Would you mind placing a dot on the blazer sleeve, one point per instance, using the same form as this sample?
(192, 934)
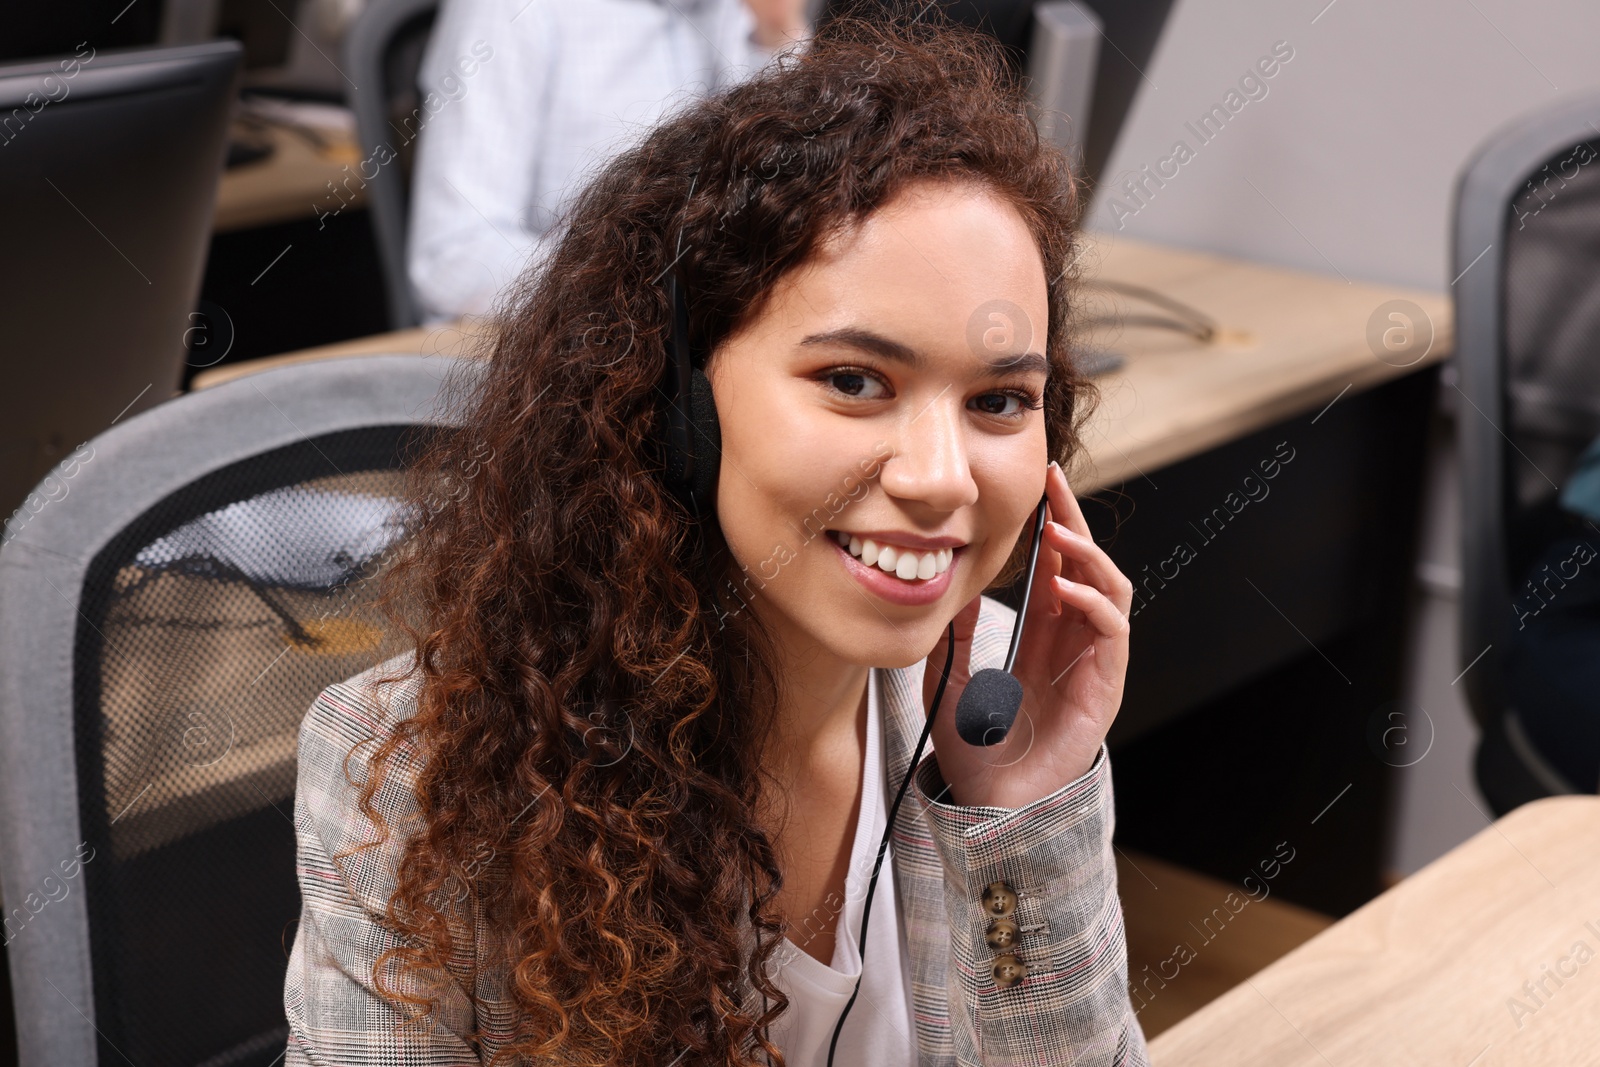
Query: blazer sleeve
(334, 1010)
(1072, 1006)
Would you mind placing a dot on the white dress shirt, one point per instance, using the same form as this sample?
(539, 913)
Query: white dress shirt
(880, 1030)
(567, 83)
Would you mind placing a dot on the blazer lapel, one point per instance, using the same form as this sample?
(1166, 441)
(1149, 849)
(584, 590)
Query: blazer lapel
(919, 874)
(918, 871)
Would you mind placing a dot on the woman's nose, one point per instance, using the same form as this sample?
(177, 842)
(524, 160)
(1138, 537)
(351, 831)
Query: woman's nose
(930, 458)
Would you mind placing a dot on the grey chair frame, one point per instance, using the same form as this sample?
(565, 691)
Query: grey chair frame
(1489, 181)
(42, 570)
(364, 47)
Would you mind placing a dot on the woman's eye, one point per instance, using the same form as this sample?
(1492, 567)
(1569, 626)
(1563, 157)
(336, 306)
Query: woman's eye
(862, 384)
(1010, 404)
(856, 384)
(988, 404)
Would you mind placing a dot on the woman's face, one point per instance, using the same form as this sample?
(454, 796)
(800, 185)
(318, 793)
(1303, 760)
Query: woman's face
(866, 399)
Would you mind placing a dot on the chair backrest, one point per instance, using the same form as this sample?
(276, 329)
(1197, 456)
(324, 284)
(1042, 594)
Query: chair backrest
(192, 579)
(1526, 259)
(109, 165)
(383, 50)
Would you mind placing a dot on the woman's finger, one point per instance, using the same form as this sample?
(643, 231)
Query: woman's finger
(1102, 614)
(1096, 566)
(1063, 505)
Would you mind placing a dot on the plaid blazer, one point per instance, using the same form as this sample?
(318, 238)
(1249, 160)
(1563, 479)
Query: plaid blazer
(1071, 1008)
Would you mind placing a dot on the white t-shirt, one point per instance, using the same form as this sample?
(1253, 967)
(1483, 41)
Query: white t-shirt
(880, 1030)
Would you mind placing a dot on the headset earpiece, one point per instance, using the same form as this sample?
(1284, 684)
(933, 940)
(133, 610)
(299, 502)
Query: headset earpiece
(693, 445)
(707, 432)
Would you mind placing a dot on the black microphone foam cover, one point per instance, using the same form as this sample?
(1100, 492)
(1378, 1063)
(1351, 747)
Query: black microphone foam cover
(988, 706)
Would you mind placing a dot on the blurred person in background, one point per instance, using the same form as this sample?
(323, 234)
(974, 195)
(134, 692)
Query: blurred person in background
(567, 85)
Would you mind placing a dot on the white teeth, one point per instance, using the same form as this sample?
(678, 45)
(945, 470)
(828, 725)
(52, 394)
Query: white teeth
(901, 562)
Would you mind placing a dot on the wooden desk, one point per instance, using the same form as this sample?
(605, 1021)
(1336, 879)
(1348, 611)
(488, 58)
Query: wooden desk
(292, 183)
(1292, 341)
(1433, 971)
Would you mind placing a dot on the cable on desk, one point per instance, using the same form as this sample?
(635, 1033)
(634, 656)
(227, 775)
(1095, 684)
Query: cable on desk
(1196, 324)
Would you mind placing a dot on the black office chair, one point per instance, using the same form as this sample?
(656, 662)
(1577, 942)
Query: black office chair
(382, 51)
(126, 152)
(1526, 254)
(196, 575)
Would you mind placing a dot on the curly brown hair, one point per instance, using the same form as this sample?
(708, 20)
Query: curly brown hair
(591, 701)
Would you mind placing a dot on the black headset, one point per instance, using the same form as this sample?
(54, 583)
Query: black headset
(692, 447)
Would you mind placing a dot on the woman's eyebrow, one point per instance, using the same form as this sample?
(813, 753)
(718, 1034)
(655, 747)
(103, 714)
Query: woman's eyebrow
(878, 345)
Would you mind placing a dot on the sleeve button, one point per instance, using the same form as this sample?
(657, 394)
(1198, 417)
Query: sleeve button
(1002, 934)
(1008, 971)
(999, 899)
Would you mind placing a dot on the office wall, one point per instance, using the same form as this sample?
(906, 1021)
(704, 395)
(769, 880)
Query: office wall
(1344, 162)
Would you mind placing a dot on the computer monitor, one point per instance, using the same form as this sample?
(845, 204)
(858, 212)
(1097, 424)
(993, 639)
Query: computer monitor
(1129, 30)
(281, 42)
(57, 28)
(109, 166)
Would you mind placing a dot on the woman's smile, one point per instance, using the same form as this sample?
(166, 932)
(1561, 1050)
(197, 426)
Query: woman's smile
(897, 574)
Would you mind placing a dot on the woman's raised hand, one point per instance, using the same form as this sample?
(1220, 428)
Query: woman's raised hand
(1071, 662)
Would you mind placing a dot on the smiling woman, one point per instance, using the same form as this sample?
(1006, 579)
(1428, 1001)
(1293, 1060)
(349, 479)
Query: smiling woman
(867, 341)
(630, 799)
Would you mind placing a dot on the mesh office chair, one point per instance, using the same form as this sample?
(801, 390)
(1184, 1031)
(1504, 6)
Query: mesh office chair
(187, 584)
(1526, 250)
(383, 50)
